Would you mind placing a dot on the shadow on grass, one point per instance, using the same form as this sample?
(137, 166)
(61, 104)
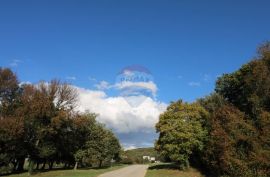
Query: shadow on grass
(35, 172)
(169, 166)
(175, 166)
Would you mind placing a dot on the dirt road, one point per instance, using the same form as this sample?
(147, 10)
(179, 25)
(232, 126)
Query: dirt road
(130, 171)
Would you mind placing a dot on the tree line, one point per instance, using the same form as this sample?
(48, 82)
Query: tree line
(135, 156)
(228, 132)
(39, 122)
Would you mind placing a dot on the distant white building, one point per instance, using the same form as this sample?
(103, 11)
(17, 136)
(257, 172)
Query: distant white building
(146, 158)
(150, 159)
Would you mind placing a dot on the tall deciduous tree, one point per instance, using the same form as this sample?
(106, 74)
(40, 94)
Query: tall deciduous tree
(99, 144)
(181, 131)
(230, 143)
(39, 122)
(9, 91)
(248, 89)
(11, 124)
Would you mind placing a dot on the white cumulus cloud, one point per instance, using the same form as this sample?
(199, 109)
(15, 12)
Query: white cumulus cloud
(118, 114)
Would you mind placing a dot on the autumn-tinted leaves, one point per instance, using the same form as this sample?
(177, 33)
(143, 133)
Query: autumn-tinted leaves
(236, 122)
(39, 122)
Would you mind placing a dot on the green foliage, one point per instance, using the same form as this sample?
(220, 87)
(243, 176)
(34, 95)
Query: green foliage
(230, 143)
(79, 155)
(39, 122)
(101, 145)
(248, 89)
(181, 131)
(236, 122)
(135, 156)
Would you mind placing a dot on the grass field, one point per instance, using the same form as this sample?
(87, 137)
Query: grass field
(70, 172)
(169, 170)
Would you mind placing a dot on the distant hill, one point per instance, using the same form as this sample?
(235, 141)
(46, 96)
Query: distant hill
(135, 155)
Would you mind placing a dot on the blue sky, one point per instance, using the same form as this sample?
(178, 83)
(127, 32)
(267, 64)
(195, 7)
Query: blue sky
(98, 38)
(185, 44)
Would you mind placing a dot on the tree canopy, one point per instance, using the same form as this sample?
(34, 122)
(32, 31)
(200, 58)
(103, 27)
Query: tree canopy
(229, 131)
(181, 131)
(40, 123)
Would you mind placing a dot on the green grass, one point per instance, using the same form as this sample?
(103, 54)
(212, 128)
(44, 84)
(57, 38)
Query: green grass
(169, 170)
(70, 172)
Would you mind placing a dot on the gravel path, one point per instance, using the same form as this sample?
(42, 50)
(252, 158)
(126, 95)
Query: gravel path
(130, 171)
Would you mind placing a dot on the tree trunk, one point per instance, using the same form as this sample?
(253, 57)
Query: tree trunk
(76, 166)
(37, 167)
(30, 167)
(20, 164)
(15, 164)
(51, 165)
(43, 166)
(100, 163)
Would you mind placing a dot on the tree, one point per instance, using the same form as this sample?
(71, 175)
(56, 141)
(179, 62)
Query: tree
(11, 124)
(84, 130)
(248, 89)
(40, 122)
(98, 143)
(230, 143)
(11, 142)
(212, 102)
(9, 91)
(46, 108)
(181, 131)
(109, 147)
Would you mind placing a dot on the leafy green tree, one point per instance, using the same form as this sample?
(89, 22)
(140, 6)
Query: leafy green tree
(39, 122)
(103, 146)
(79, 156)
(181, 131)
(212, 102)
(98, 143)
(248, 89)
(84, 130)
